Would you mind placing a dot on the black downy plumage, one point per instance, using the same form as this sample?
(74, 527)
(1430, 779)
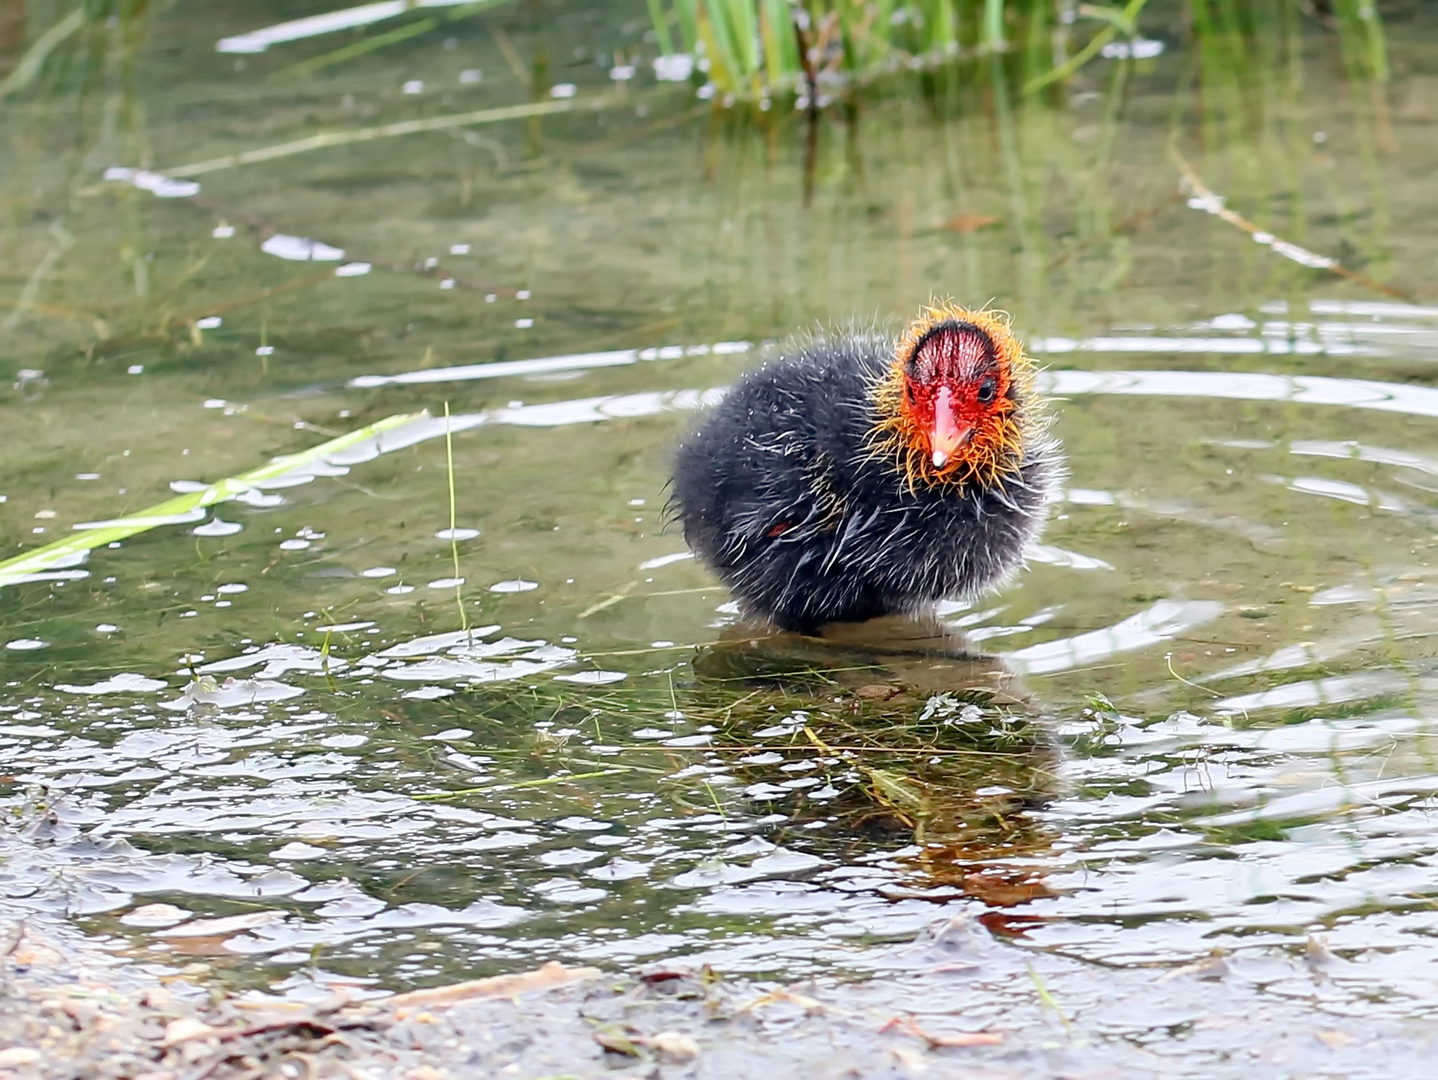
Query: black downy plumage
(792, 495)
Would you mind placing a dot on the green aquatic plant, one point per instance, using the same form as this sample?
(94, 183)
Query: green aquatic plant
(881, 753)
(758, 48)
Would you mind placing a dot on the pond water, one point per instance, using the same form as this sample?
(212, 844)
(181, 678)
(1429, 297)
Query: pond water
(387, 735)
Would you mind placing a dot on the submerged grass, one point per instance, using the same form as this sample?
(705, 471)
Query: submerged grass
(864, 747)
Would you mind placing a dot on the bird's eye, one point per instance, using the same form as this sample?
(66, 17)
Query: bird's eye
(988, 389)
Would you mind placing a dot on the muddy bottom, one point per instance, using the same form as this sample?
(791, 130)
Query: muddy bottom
(930, 1009)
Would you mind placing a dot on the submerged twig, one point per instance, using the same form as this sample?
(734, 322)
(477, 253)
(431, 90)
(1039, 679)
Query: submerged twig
(1205, 200)
(384, 131)
(64, 241)
(608, 601)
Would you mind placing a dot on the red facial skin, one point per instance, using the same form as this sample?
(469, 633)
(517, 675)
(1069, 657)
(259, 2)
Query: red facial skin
(953, 387)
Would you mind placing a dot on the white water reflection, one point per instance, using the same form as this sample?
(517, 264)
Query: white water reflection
(164, 187)
(665, 560)
(1355, 451)
(44, 575)
(514, 585)
(257, 41)
(126, 682)
(1341, 490)
(464, 655)
(593, 678)
(1248, 386)
(1315, 692)
(1244, 346)
(1299, 655)
(1330, 489)
(276, 660)
(1057, 556)
(217, 526)
(300, 249)
(232, 693)
(548, 364)
(455, 641)
(1164, 620)
(185, 517)
(1375, 309)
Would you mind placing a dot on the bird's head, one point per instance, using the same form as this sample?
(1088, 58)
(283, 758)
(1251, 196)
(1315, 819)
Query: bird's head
(952, 407)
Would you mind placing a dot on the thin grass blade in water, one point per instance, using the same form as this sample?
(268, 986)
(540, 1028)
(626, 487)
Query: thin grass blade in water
(71, 551)
(34, 59)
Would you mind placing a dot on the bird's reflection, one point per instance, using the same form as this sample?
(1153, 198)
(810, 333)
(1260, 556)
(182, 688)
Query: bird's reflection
(889, 731)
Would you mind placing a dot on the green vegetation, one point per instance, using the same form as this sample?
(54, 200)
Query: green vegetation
(756, 49)
(774, 46)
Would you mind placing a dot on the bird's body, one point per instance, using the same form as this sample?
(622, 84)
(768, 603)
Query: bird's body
(824, 489)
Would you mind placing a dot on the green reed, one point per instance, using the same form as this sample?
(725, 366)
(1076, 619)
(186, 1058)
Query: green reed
(759, 48)
(755, 49)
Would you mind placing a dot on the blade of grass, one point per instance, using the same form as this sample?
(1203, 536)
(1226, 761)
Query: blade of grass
(687, 12)
(1362, 16)
(359, 48)
(781, 54)
(379, 41)
(72, 549)
(34, 59)
(725, 70)
(1089, 51)
(659, 18)
(994, 24)
(453, 522)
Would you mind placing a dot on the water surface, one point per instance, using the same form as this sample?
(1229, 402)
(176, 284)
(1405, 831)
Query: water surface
(378, 742)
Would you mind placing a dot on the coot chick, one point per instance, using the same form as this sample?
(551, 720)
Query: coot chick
(856, 476)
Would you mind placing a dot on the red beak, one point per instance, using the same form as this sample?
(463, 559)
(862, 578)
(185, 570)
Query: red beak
(949, 435)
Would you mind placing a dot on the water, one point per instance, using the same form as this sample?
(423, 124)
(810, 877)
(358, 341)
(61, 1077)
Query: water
(382, 744)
